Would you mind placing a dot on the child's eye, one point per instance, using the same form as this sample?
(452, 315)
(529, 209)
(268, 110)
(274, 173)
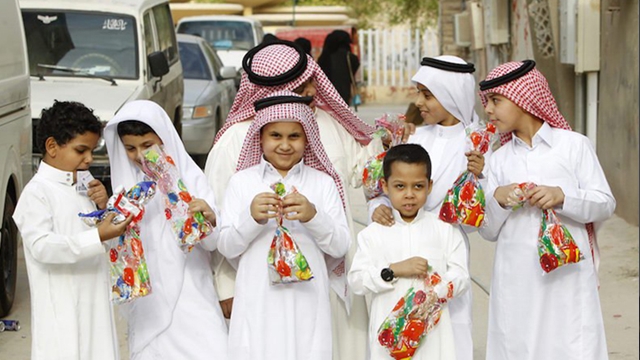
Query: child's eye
(419, 186)
(399, 186)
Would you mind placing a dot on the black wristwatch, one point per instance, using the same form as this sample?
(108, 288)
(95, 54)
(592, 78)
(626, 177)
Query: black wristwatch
(387, 274)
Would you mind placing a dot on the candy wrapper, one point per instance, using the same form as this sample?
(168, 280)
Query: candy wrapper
(465, 202)
(412, 318)
(388, 126)
(129, 274)
(189, 229)
(285, 260)
(556, 246)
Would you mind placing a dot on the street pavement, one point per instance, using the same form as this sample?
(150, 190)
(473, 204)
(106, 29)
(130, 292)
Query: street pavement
(618, 282)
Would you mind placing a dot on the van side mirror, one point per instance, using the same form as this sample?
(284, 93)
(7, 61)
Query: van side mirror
(158, 64)
(228, 72)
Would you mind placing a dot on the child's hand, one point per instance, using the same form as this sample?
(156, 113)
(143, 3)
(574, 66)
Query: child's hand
(475, 162)
(265, 206)
(108, 230)
(200, 205)
(506, 195)
(546, 197)
(98, 194)
(409, 129)
(415, 266)
(226, 306)
(300, 206)
(383, 215)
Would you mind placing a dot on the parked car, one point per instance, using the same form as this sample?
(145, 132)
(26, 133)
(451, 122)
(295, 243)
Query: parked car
(209, 90)
(102, 53)
(15, 142)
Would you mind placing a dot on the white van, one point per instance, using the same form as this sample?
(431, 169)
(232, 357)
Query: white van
(231, 35)
(15, 142)
(102, 53)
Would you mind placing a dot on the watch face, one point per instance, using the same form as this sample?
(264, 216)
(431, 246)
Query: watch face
(387, 274)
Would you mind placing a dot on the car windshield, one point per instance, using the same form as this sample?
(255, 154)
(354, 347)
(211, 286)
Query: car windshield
(221, 34)
(81, 44)
(194, 65)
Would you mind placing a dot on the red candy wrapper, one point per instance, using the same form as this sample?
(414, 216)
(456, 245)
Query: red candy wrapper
(556, 246)
(189, 229)
(388, 126)
(413, 317)
(465, 201)
(286, 262)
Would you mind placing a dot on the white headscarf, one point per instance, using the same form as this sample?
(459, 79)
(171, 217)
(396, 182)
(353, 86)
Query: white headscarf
(152, 314)
(454, 90)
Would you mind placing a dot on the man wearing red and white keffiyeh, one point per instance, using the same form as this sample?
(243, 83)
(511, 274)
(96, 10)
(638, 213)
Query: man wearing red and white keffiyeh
(538, 146)
(347, 142)
(291, 321)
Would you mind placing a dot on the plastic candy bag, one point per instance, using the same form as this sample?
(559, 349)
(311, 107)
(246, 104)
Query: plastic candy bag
(556, 246)
(189, 229)
(286, 262)
(129, 274)
(465, 201)
(413, 317)
(393, 127)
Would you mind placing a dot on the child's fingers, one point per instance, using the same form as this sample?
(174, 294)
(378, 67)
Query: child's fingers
(94, 183)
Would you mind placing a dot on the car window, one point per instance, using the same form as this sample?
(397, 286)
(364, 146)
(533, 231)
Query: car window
(214, 59)
(194, 65)
(221, 34)
(166, 33)
(149, 43)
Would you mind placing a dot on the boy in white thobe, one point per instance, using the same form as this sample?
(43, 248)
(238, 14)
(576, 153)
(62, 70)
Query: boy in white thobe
(556, 315)
(71, 312)
(391, 259)
(283, 321)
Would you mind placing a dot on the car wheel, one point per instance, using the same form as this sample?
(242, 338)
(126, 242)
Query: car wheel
(8, 257)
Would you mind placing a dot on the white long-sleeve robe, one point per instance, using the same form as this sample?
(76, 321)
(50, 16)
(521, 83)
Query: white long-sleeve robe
(286, 321)
(379, 246)
(71, 312)
(557, 315)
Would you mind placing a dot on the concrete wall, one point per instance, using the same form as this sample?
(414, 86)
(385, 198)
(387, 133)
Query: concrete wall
(617, 139)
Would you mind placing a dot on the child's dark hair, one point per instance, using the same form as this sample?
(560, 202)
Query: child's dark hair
(64, 121)
(406, 153)
(133, 127)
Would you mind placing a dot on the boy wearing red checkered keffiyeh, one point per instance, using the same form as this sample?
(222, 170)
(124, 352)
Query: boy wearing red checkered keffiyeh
(284, 321)
(535, 316)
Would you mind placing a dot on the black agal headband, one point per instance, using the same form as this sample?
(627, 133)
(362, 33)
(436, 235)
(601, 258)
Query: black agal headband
(448, 66)
(281, 79)
(283, 99)
(527, 65)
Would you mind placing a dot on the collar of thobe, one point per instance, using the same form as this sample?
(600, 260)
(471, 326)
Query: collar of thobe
(398, 218)
(57, 175)
(543, 135)
(267, 170)
(448, 132)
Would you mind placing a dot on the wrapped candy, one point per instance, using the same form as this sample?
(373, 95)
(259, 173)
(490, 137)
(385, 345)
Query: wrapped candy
(189, 229)
(129, 274)
(393, 127)
(556, 246)
(413, 317)
(465, 202)
(286, 262)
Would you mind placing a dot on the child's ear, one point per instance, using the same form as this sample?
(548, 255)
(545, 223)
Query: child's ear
(51, 146)
(385, 186)
(429, 187)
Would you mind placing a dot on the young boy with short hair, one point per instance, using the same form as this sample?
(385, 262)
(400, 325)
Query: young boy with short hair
(71, 312)
(390, 258)
(531, 316)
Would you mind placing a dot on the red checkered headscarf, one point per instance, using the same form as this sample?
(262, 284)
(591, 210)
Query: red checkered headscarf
(276, 59)
(530, 92)
(314, 154)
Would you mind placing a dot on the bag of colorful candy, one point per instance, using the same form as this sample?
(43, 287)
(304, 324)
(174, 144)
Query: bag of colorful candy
(465, 202)
(413, 317)
(556, 246)
(390, 127)
(129, 274)
(286, 262)
(190, 229)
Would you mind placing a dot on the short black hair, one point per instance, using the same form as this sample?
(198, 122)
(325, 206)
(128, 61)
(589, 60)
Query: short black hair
(133, 127)
(64, 121)
(406, 153)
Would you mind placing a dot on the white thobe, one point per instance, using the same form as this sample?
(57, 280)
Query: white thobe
(348, 158)
(426, 236)
(446, 146)
(67, 265)
(556, 315)
(286, 321)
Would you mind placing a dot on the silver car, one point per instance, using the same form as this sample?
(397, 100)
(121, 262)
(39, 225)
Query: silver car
(209, 90)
